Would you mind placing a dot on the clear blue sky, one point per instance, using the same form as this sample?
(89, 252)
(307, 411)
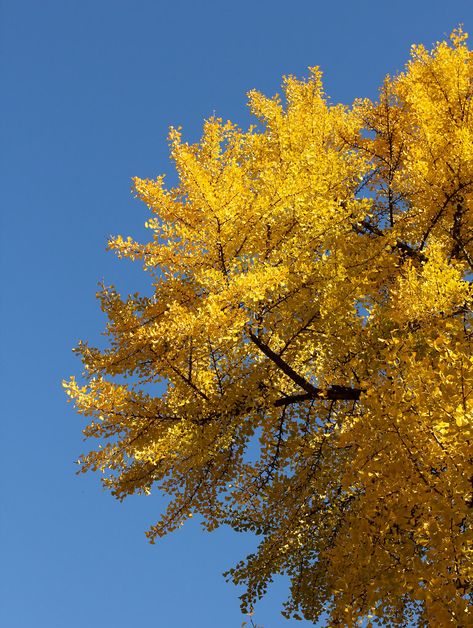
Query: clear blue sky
(88, 89)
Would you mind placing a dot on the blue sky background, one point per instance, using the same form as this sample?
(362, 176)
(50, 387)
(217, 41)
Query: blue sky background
(88, 90)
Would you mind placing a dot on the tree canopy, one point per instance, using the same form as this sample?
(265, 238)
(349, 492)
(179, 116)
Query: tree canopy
(304, 368)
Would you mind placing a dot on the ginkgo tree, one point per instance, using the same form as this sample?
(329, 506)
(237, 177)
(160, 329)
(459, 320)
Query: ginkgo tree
(310, 327)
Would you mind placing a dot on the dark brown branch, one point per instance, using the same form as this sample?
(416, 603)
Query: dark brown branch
(365, 226)
(334, 393)
(312, 392)
(221, 254)
(456, 229)
(284, 366)
(448, 200)
(300, 331)
(187, 380)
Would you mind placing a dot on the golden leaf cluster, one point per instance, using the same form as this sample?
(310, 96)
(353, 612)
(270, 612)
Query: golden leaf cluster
(304, 366)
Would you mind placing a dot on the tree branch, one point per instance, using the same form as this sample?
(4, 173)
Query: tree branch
(335, 393)
(405, 248)
(312, 392)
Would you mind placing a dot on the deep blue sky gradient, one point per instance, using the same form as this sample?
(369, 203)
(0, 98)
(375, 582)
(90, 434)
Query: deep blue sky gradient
(88, 90)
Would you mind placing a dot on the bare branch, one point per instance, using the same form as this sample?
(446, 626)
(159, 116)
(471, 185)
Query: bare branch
(312, 392)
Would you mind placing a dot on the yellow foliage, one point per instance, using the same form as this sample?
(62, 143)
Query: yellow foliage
(311, 330)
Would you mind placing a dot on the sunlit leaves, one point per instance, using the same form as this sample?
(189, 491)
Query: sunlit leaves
(310, 328)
